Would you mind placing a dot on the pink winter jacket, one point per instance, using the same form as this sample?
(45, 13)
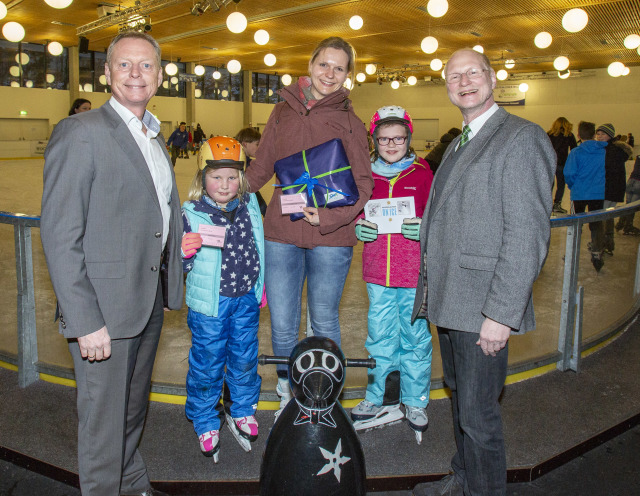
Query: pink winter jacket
(393, 260)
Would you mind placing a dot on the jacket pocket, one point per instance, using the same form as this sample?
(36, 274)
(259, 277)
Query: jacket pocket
(478, 262)
(105, 270)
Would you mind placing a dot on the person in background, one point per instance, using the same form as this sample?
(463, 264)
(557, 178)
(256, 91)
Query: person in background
(633, 194)
(631, 140)
(435, 156)
(315, 110)
(80, 105)
(178, 141)
(110, 221)
(249, 138)
(563, 142)
(198, 137)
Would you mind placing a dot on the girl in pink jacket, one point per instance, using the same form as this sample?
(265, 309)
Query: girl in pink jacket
(390, 266)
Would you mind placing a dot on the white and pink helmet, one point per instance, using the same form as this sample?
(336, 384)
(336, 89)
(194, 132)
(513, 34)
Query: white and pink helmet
(390, 113)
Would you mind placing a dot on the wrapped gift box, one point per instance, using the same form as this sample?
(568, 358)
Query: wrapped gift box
(322, 172)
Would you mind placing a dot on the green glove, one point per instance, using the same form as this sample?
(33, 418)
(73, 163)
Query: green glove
(366, 231)
(411, 228)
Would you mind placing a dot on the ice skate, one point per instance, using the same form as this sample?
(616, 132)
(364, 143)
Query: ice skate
(210, 444)
(417, 419)
(283, 389)
(367, 415)
(244, 430)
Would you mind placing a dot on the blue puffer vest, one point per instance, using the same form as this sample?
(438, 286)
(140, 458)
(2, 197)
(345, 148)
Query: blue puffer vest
(203, 281)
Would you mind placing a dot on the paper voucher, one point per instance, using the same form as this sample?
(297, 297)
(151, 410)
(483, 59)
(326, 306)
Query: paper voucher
(389, 213)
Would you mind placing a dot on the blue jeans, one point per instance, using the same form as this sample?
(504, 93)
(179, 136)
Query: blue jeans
(476, 381)
(287, 266)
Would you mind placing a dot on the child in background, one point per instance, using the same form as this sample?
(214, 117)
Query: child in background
(390, 266)
(224, 290)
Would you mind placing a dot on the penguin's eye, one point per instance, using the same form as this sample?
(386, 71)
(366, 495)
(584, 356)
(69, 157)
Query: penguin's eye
(330, 362)
(305, 362)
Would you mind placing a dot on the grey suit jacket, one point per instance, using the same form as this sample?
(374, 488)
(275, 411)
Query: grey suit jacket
(101, 227)
(485, 236)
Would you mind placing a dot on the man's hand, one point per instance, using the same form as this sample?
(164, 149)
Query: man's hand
(311, 216)
(493, 336)
(95, 346)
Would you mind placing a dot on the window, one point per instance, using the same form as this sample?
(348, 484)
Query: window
(30, 65)
(265, 88)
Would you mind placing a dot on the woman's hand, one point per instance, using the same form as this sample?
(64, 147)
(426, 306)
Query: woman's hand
(311, 215)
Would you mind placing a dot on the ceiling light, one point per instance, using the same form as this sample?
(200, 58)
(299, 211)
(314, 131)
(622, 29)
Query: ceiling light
(22, 58)
(198, 70)
(370, 69)
(88, 87)
(261, 37)
(216, 74)
(28, 83)
(165, 85)
(198, 93)
(233, 66)
(236, 22)
(615, 69)
(224, 93)
(58, 4)
(13, 31)
(564, 74)
(575, 20)
(286, 79)
(444, 76)
(429, 44)
(412, 80)
(632, 41)
(14, 70)
(478, 48)
(543, 40)
(102, 80)
(435, 64)
(174, 80)
(561, 63)
(626, 71)
(395, 84)
(270, 59)
(502, 74)
(437, 8)
(524, 87)
(348, 84)
(509, 64)
(171, 69)
(361, 77)
(15, 84)
(3, 10)
(50, 78)
(356, 22)
(55, 48)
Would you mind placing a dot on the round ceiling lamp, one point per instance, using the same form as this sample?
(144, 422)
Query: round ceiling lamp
(444, 76)
(13, 31)
(395, 84)
(370, 69)
(165, 85)
(261, 37)
(87, 88)
(615, 69)
(171, 69)
(3, 10)
(198, 93)
(50, 78)
(564, 74)
(561, 63)
(236, 22)
(233, 66)
(356, 22)
(412, 80)
(524, 87)
(509, 64)
(361, 77)
(479, 48)
(102, 80)
(22, 58)
(198, 70)
(575, 20)
(543, 39)
(502, 74)
(14, 70)
(15, 84)
(270, 59)
(632, 41)
(28, 83)
(55, 48)
(435, 64)
(174, 80)
(286, 79)
(429, 44)
(216, 74)
(224, 93)
(626, 71)
(437, 8)
(58, 4)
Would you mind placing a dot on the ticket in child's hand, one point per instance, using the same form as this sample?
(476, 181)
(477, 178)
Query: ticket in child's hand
(213, 235)
(292, 204)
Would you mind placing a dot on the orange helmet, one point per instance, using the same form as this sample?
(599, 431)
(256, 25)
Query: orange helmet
(220, 152)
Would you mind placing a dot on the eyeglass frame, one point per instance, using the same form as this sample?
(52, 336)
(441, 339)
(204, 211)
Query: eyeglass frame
(394, 139)
(466, 73)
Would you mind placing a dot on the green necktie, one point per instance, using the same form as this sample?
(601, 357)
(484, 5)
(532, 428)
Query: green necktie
(464, 138)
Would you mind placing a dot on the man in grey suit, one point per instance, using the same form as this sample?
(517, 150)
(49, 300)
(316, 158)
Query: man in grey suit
(110, 219)
(484, 238)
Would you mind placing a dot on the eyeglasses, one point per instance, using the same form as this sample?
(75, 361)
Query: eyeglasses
(398, 140)
(471, 74)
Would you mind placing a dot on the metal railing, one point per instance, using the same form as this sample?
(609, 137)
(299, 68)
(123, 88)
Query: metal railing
(570, 341)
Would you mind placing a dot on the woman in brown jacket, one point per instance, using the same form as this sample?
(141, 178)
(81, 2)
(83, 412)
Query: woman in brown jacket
(320, 246)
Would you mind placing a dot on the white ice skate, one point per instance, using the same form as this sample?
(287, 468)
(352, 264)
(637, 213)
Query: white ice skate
(283, 389)
(210, 444)
(418, 420)
(367, 415)
(244, 430)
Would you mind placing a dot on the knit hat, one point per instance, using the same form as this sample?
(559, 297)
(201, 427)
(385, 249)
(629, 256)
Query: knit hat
(607, 129)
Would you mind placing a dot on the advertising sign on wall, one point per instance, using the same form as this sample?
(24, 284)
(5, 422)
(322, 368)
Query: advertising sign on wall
(507, 96)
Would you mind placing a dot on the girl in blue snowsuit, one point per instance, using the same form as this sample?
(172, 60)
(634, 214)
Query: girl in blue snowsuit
(224, 291)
